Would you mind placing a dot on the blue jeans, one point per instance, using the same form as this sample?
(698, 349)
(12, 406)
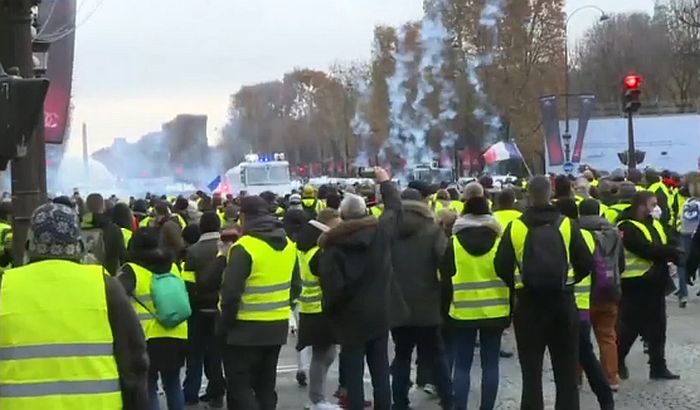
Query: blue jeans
(172, 387)
(203, 353)
(686, 243)
(462, 346)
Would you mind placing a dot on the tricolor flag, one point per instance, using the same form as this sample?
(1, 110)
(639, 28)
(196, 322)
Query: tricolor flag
(501, 151)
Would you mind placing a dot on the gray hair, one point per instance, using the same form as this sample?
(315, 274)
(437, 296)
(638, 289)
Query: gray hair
(540, 190)
(353, 207)
(473, 190)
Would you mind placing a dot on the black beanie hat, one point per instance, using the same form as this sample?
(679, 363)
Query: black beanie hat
(254, 206)
(210, 222)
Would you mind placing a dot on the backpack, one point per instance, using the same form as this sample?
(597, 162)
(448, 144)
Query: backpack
(691, 216)
(606, 276)
(93, 240)
(170, 298)
(545, 267)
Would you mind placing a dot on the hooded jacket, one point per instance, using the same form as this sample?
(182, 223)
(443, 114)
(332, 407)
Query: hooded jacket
(360, 292)
(416, 253)
(253, 333)
(476, 234)
(197, 259)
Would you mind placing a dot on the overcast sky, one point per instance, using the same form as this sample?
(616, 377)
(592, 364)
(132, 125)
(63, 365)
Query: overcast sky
(139, 63)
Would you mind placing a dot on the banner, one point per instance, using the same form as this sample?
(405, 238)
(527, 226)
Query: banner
(57, 17)
(550, 125)
(587, 105)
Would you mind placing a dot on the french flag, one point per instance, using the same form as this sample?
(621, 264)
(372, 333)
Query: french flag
(501, 151)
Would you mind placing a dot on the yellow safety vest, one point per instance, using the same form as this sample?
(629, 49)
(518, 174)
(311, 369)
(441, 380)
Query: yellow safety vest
(313, 203)
(678, 205)
(310, 300)
(613, 212)
(377, 210)
(478, 293)
(635, 266)
(506, 216)
(582, 290)
(127, 236)
(457, 206)
(145, 222)
(267, 289)
(667, 192)
(56, 344)
(595, 183)
(518, 233)
(151, 327)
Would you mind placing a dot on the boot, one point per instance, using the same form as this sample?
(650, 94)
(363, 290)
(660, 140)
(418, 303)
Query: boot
(623, 371)
(663, 374)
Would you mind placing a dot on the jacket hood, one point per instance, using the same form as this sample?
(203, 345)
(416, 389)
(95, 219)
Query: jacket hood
(541, 215)
(307, 237)
(416, 216)
(354, 233)
(607, 235)
(594, 223)
(267, 228)
(477, 234)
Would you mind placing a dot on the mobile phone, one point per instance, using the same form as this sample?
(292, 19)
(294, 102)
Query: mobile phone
(363, 172)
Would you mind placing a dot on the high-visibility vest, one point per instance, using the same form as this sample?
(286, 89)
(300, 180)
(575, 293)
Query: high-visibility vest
(678, 205)
(478, 293)
(267, 289)
(145, 222)
(151, 327)
(56, 344)
(222, 216)
(667, 193)
(377, 210)
(518, 234)
(595, 183)
(310, 300)
(506, 216)
(582, 290)
(127, 234)
(313, 204)
(614, 211)
(636, 266)
(5, 236)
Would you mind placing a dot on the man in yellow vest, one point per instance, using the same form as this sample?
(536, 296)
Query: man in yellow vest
(643, 304)
(70, 338)
(506, 212)
(260, 283)
(545, 314)
(626, 191)
(663, 195)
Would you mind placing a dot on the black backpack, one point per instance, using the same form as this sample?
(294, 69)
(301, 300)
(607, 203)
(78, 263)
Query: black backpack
(545, 267)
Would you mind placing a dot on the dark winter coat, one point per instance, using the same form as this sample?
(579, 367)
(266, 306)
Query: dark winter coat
(416, 253)
(360, 293)
(477, 234)
(315, 329)
(245, 332)
(198, 258)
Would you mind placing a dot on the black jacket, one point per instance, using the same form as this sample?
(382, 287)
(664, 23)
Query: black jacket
(416, 253)
(253, 333)
(198, 258)
(477, 234)
(580, 257)
(360, 292)
(635, 242)
(115, 250)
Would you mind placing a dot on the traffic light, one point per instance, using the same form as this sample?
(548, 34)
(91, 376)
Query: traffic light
(639, 157)
(21, 103)
(630, 100)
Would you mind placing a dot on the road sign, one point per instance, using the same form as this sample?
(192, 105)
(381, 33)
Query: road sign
(568, 167)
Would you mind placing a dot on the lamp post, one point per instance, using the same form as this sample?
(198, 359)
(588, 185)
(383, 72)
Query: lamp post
(40, 57)
(567, 131)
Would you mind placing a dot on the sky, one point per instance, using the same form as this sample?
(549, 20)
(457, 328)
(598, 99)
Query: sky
(140, 63)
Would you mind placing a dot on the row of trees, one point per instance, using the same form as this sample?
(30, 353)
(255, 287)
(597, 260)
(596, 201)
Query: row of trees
(350, 109)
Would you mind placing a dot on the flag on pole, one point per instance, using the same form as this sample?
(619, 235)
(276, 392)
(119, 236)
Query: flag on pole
(501, 151)
(213, 185)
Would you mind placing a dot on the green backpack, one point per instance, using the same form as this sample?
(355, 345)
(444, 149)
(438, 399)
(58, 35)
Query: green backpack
(170, 299)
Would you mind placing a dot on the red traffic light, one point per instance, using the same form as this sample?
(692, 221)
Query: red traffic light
(632, 82)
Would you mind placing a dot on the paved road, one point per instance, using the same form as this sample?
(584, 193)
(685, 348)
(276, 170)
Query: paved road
(638, 393)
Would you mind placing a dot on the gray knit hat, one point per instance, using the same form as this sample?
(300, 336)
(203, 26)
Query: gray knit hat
(55, 232)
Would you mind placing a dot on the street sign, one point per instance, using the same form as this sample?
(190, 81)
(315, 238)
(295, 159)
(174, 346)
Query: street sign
(568, 167)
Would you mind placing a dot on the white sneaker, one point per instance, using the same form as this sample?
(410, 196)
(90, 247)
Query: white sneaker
(430, 389)
(324, 405)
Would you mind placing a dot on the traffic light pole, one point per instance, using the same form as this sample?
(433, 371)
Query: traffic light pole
(631, 151)
(16, 51)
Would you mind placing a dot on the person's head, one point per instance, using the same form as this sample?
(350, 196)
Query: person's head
(171, 238)
(589, 207)
(568, 207)
(421, 186)
(626, 190)
(63, 200)
(539, 190)
(162, 209)
(506, 199)
(294, 200)
(477, 205)
(329, 217)
(353, 207)
(253, 207)
(410, 194)
(634, 176)
(333, 200)
(54, 233)
(140, 206)
(643, 204)
(210, 222)
(181, 204)
(472, 190)
(651, 176)
(582, 187)
(6, 211)
(442, 195)
(95, 204)
(589, 175)
(270, 197)
(122, 216)
(454, 193)
(486, 182)
(309, 192)
(692, 181)
(562, 186)
(191, 234)
(446, 219)
(145, 250)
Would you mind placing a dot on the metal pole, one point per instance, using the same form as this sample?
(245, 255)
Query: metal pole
(631, 152)
(16, 50)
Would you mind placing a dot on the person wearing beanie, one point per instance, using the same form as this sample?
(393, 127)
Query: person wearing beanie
(295, 217)
(167, 346)
(468, 260)
(261, 281)
(203, 349)
(626, 191)
(50, 329)
(360, 293)
(417, 251)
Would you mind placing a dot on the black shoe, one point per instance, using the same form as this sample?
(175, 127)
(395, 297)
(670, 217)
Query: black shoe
(663, 374)
(204, 398)
(505, 355)
(301, 379)
(216, 403)
(623, 371)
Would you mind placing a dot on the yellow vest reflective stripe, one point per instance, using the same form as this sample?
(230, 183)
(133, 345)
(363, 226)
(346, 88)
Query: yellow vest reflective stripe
(667, 192)
(603, 208)
(127, 234)
(310, 300)
(145, 222)
(478, 293)
(582, 290)
(189, 276)
(151, 327)
(635, 266)
(678, 205)
(595, 183)
(313, 203)
(56, 346)
(506, 216)
(613, 212)
(267, 289)
(518, 233)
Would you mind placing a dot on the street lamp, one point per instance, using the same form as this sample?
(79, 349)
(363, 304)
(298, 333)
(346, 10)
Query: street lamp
(567, 132)
(40, 56)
